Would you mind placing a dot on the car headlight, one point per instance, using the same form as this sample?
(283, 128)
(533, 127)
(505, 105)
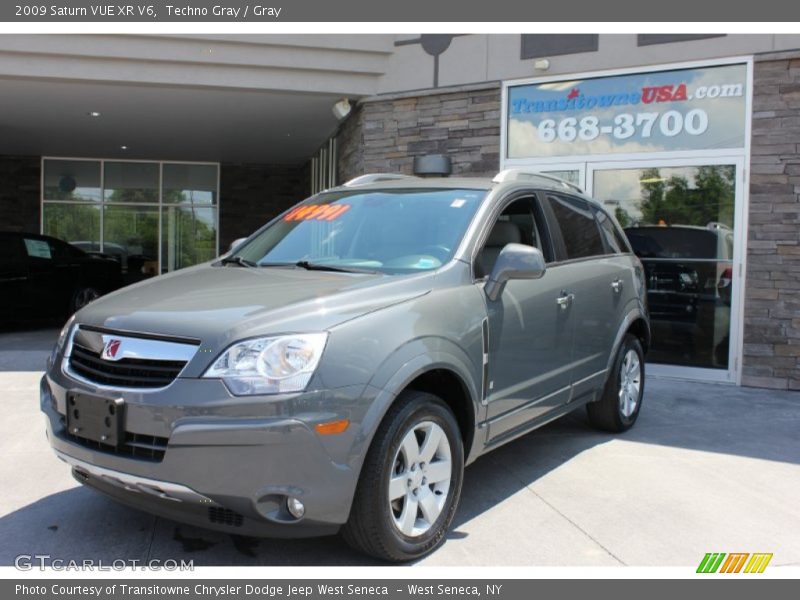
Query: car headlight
(269, 365)
(62, 338)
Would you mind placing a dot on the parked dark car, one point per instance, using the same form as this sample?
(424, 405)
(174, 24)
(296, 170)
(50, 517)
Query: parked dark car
(688, 270)
(43, 277)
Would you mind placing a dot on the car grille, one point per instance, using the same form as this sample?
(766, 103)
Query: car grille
(225, 516)
(128, 372)
(136, 445)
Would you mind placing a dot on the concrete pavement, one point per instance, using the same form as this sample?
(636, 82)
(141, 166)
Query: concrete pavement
(707, 468)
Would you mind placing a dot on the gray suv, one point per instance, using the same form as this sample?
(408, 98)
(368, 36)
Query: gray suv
(339, 368)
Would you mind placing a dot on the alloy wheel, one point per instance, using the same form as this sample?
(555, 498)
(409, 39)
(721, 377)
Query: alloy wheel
(420, 479)
(630, 383)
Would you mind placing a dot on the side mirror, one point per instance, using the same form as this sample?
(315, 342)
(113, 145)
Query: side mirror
(235, 243)
(515, 261)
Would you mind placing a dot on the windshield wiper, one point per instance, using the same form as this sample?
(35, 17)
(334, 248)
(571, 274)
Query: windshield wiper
(309, 266)
(237, 260)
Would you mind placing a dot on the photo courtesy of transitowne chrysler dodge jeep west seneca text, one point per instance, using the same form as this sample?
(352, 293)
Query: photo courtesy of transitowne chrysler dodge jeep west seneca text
(338, 369)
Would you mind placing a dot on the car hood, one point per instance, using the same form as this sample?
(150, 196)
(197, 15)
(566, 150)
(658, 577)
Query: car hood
(221, 304)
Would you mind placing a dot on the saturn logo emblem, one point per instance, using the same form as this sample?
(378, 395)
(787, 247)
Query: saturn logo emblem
(110, 350)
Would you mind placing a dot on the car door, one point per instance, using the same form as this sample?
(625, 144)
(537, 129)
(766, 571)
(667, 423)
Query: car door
(14, 284)
(529, 334)
(596, 285)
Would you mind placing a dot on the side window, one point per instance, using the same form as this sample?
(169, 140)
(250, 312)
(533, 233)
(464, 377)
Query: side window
(613, 237)
(38, 248)
(576, 222)
(517, 224)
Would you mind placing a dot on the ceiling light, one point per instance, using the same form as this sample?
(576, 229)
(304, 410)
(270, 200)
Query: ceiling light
(93, 113)
(123, 147)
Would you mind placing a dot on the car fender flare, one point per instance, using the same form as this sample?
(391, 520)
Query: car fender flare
(632, 314)
(400, 369)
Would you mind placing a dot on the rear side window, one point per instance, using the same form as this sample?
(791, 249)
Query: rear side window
(613, 237)
(577, 225)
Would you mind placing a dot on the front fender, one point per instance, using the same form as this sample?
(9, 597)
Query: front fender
(406, 364)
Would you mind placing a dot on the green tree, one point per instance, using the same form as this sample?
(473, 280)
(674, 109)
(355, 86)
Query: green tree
(675, 201)
(623, 218)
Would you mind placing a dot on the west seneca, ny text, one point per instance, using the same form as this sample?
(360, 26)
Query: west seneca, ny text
(253, 12)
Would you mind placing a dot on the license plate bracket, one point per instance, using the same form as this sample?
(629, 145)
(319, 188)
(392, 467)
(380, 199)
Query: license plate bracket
(95, 418)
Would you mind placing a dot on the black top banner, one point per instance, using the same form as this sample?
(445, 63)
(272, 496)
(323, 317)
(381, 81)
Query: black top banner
(473, 11)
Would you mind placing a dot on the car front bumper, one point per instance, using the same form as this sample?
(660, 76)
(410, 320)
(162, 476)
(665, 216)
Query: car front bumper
(230, 463)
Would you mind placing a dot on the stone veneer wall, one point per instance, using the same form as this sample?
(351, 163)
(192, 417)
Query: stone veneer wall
(772, 293)
(384, 134)
(252, 194)
(19, 193)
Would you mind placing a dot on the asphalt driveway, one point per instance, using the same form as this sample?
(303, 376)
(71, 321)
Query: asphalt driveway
(708, 468)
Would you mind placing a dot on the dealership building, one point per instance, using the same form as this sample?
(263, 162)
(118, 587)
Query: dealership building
(161, 150)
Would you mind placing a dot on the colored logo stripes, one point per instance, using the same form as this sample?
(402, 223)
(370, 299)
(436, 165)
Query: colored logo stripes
(734, 562)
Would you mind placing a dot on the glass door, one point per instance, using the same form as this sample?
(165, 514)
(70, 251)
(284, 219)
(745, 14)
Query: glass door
(683, 219)
(574, 172)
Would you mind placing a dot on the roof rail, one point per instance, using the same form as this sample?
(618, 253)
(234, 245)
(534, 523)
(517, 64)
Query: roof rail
(376, 177)
(520, 174)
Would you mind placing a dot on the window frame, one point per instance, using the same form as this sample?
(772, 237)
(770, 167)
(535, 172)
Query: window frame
(540, 221)
(619, 232)
(559, 245)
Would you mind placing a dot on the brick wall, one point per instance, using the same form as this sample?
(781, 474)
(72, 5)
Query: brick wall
(384, 135)
(19, 193)
(772, 305)
(252, 194)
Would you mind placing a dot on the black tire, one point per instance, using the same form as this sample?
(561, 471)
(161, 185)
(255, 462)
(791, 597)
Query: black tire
(371, 528)
(82, 296)
(609, 413)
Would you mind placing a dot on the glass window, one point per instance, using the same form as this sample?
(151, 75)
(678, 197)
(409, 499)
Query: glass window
(573, 176)
(113, 207)
(516, 224)
(679, 221)
(613, 237)
(131, 182)
(73, 180)
(78, 224)
(390, 231)
(190, 184)
(130, 235)
(188, 236)
(577, 225)
(38, 248)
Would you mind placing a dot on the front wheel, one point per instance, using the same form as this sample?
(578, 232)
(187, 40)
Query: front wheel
(410, 483)
(621, 402)
(81, 297)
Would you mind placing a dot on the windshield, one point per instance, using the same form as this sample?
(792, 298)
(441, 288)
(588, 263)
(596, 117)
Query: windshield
(396, 231)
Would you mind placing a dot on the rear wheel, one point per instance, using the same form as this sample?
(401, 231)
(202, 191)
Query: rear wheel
(619, 406)
(410, 483)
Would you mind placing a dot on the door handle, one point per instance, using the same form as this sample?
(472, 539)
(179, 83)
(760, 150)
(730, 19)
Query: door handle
(616, 285)
(565, 299)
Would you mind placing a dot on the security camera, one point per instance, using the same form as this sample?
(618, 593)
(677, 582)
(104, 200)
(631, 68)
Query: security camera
(342, 108)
